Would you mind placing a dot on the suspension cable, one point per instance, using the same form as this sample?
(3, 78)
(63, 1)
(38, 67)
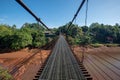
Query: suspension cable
(26, 8)
(76, 14)
(86, 14)
(85, 25)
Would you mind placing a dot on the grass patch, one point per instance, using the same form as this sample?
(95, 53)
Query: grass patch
(112, 45)
(4, 75)
(96, 45)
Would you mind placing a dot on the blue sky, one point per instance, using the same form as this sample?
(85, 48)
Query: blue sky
(55, 13)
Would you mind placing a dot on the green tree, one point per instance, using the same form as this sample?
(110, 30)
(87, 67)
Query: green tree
(38, 39)
(5, 33)
(37, 33)
(84, 41)
(20, 40)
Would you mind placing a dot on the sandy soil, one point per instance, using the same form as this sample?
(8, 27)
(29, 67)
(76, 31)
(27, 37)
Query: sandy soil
(102, 63)
(9, 60)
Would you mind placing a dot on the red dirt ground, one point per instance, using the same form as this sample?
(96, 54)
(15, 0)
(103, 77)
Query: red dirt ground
(92, 55)
(102, 63)
(28, 70)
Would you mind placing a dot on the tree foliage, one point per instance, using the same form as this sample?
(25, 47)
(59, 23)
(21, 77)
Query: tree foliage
(20, 40)
(33, 35)
(95, 33)
(28, 35)
(105, 33)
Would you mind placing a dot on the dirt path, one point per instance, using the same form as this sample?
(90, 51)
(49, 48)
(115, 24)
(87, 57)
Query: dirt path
(8, 60)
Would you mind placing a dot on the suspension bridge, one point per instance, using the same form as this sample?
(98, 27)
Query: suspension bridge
(62, 64)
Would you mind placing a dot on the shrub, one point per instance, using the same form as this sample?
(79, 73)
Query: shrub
(4, 75)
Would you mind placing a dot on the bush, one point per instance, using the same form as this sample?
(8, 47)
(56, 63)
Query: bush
(4, 75)
(71, 40)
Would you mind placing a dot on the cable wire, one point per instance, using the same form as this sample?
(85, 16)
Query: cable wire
(82, 3)
(27, 9)
(86, 14)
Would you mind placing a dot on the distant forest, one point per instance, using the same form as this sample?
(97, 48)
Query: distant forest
(95, 33)
(32, 35)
